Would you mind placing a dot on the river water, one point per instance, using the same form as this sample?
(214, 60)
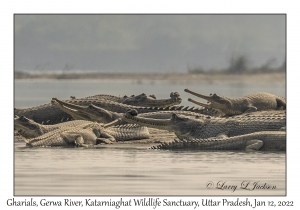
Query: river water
(134, 169)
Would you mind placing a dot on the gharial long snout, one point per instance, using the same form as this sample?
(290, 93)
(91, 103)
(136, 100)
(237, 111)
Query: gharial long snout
(68, 105)
(90, 112)
(208, 98)
(199, 103)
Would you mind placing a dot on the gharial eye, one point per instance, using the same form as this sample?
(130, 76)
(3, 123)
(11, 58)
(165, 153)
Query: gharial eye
(143, 95)
(133, 112)
(174, 94)
(174, 116)
(152, 96)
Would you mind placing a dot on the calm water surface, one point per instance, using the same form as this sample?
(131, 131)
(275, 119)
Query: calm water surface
(136, 170)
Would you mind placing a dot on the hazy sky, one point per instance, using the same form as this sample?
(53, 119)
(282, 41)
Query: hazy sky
(146, 43)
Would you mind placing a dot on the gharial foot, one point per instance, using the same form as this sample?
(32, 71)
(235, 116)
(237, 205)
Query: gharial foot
(79, 141)
(103, 141)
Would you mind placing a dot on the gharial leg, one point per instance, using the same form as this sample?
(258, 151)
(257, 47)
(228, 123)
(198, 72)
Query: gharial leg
(77, 139)
(254, 145)
(105, 138)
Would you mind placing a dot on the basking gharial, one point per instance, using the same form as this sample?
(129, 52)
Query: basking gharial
(69, 136)
(49, 114)
(30, 129)
(262, 140)
(234, 106)
(141, 100)
(206, 127)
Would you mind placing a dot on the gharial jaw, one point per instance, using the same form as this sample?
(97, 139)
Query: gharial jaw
(223, 104)
(90, 112)
(27, 127)
(211, 98)
(76, 115)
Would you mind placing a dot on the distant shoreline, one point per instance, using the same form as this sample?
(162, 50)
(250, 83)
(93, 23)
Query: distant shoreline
(260, 77)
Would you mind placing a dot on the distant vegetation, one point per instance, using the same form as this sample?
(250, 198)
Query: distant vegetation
(240, 65)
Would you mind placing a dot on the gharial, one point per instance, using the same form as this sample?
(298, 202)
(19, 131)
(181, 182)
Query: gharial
(262, 140)
(140, 100)
(234, 106)
(30, 129)
(202, 128)
(68, 136)
(49, 114)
